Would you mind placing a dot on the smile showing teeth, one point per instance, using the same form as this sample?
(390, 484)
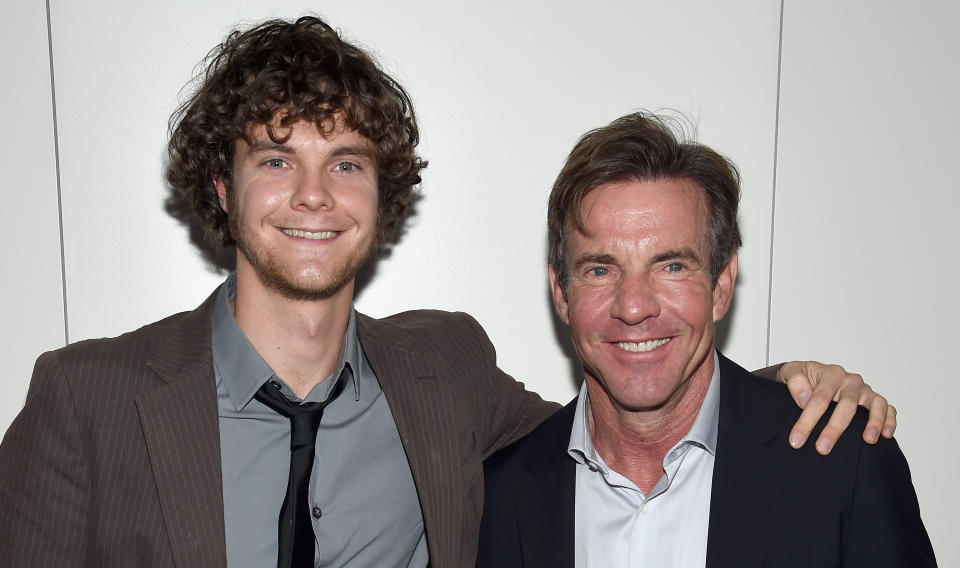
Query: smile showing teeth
(308, 235)
(643, 346)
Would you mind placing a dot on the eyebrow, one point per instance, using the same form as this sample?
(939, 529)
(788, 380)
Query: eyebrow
(685, 253)
(353, 150)
(593, 258)
(357, 150)
(261, 146)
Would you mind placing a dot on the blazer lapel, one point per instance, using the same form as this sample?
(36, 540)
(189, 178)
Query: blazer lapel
(413, 385)
(181, 429)
(746, 490)
(546, 505)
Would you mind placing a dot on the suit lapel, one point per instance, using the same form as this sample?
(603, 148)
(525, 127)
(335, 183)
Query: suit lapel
(746, 490)
(414, 386)
(182, 434)
(546, 505)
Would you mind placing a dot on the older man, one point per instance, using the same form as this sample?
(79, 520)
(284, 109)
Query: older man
(673, 455)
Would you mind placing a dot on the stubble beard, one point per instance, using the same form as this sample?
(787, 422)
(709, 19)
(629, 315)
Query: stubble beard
(274, 274)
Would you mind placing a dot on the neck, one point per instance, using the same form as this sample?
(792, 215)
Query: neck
(300, 340)
(634, 443)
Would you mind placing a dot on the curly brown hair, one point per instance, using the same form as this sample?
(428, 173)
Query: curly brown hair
(296, 71)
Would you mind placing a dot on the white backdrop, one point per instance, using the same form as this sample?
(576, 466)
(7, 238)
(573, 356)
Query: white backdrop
(841, 116)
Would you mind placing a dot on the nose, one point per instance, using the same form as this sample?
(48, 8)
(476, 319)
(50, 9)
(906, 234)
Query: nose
(635, 300)
(313, 192)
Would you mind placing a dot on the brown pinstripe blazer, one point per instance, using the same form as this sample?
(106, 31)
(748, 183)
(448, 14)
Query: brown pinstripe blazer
(115, 458)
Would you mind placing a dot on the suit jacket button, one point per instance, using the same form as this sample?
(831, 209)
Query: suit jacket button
(317, 513)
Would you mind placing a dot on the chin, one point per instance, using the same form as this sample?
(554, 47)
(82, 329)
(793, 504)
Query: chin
(311, 289)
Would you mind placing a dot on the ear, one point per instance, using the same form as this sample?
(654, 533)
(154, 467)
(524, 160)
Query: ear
(221, 186)
(559, 297)
(723, 289)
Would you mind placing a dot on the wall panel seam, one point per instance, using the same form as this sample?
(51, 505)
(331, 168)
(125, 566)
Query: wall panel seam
(56, 158)
(773, 192)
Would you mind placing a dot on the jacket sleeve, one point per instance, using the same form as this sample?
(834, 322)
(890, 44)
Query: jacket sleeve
(510, 411)
(45, 487)
(884, 523)
(769, 373)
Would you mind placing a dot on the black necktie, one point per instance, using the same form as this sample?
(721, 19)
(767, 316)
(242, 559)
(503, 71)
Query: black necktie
(296, 537)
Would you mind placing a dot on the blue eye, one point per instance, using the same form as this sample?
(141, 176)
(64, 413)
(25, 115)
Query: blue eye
(598, 271)
(275, 163)
(675, 267)
(346, 166)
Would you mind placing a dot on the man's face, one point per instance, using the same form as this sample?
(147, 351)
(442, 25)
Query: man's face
(640, 302)
(304, 211)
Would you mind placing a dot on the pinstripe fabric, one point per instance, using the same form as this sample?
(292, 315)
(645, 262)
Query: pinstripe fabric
(115, 458)
(453, 407)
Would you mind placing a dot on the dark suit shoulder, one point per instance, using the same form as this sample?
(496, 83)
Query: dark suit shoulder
(768, 404)
(857, 503)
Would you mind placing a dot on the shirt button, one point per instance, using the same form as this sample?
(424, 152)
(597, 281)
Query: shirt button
(645, 509)
(275, 385)
(317, 513)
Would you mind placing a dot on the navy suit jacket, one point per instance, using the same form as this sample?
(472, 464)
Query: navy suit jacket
(770, 505)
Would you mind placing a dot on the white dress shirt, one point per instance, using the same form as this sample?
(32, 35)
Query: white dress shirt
(617, 526)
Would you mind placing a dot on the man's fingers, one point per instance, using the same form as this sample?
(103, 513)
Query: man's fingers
(834, 379)
(842, 414)
(877, 405)
(833, 382)
(890, 424)
(794, 376)
(814, 409)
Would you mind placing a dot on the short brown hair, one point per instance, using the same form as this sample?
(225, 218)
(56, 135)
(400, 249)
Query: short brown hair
(296, 71)
(642, 146)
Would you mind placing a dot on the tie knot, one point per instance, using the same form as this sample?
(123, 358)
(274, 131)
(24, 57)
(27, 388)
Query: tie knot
(306, 412)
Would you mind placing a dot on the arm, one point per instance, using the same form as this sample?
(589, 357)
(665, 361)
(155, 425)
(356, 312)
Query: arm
(511, 411)
(813, 385)
(46, 485)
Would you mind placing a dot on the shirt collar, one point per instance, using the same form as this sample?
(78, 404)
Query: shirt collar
(242, 370)
(703, 432)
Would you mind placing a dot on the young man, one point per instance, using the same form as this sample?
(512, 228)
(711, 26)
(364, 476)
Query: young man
(185, 442)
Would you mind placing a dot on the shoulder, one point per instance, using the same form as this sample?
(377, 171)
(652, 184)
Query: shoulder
(753, 401)
(133, 345)
(858, 502)
(425, 321)
(426, 331)
(118, 365)
(753, 406)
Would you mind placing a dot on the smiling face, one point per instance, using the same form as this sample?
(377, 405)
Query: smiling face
(640, 300)
(303, 211)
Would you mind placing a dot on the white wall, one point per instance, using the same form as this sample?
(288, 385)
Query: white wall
(32, 285)
(865, 228)
(503, 89)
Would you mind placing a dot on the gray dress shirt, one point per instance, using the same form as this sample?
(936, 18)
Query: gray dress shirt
(362, 494)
